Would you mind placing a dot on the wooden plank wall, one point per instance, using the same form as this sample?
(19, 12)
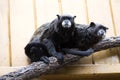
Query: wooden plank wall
(20, 18)
(4, 34)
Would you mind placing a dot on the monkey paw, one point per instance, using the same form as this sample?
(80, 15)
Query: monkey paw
(59, 57)
(89, 51)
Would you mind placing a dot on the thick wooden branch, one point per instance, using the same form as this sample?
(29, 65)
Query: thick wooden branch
(39, 68)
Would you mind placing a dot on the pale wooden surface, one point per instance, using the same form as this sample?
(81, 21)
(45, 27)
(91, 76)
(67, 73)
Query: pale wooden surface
(22, 27)
(20, 18)
(4, 34)
(46, 11)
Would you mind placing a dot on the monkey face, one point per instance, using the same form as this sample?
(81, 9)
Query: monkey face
(66, 21)
(97, 29)
(101, 33)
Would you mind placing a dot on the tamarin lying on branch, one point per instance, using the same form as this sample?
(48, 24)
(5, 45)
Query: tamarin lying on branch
(61, 36)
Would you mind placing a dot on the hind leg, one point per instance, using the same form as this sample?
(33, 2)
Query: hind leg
(34, 54)
(32, 50)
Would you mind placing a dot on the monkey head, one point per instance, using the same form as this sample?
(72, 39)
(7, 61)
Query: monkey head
(66, 21)
(97, 29)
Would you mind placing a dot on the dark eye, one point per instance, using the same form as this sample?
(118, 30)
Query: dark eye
(69, 18)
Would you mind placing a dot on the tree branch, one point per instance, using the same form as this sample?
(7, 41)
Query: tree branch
(39, 68)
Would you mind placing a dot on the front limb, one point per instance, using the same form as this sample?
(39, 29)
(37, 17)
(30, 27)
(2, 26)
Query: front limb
(52, 50)
(78, 52)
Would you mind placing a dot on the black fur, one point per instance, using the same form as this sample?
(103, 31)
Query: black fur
(35, 51)
(86, 36)
(50, 37)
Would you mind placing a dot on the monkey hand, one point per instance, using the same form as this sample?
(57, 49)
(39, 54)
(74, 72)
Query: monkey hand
(89, 52)
(59, 57)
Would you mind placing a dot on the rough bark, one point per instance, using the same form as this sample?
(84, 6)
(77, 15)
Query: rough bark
(39, 68)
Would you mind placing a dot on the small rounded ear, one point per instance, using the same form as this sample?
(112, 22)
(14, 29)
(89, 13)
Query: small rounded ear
(74, 17)
(58, 16)
(92, 24)
(106, 28)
